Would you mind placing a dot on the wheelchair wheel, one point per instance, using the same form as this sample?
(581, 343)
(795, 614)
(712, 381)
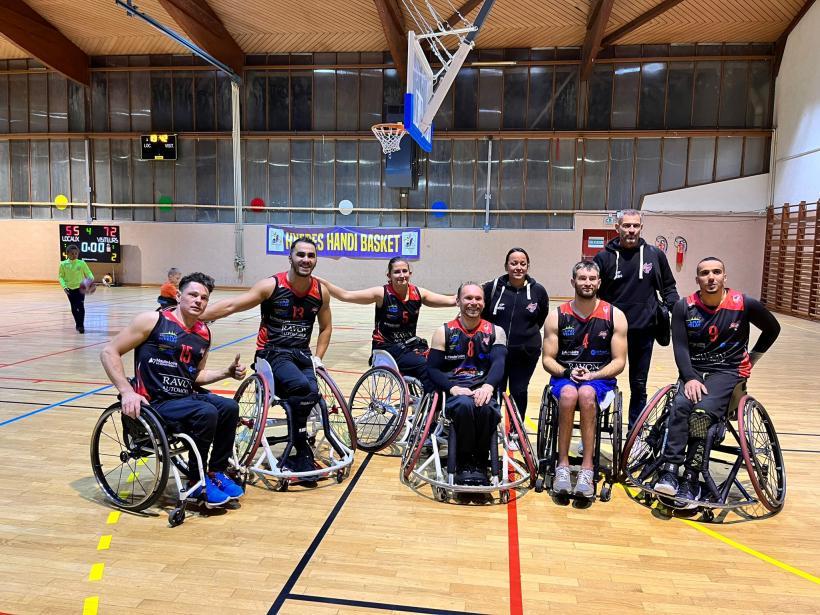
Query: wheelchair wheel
(762, 454)
(338, 414)
(644, 443)
(419, 432)
(253, 399)
(129, 458)
(543, 423)
(379, 404)
(547, 438)
(615, 418)
(524, 445)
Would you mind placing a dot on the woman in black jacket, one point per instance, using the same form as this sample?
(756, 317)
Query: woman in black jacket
(519, 305)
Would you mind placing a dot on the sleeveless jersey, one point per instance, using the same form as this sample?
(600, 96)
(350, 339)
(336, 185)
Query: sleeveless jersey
(166, 364)
(467, 353)
(585, 342)
(718, 338)
(288, 317)
(396, 319)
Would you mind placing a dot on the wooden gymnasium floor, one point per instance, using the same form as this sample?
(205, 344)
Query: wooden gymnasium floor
(369, 545)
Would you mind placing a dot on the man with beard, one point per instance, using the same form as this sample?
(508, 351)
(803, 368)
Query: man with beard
(291, 301)
(632, 274)
(584, 349)
(170, 351)
(466, 361)
(710, 337)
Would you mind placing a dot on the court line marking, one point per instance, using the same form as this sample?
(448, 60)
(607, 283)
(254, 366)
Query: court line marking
(91, 605)
(516, 598)
(105, 543)
(383, 606)
(52, 354)
(96, 571)
(300, 567)
(749, 551)
(741, 547)
(92, 392)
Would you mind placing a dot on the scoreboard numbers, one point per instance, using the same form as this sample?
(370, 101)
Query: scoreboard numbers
(98, 244)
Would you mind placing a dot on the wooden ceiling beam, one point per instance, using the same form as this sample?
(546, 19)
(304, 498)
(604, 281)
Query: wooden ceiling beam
(396, 38)
(640, 20)
(780, 45)
(465, 8)
(596, 25)
(397, 15)
(199, 22)
(29, 31)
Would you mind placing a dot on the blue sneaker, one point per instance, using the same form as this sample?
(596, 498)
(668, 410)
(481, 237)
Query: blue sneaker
(213, 496)
(227, 486)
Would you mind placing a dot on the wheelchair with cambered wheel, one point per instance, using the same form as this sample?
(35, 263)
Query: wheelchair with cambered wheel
(742, 468)
(264, 435)
(382, 404)
(427, 460)
(606, 459)
(132, 459)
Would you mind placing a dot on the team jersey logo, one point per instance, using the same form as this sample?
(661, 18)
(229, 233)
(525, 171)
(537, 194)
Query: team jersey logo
(694, 323)
(568, 331)
(647, 267)
(532, 307)
(734, 326)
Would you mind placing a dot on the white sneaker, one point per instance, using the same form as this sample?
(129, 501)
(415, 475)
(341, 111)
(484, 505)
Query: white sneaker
(512, 445)
(584, 485)
(563, 481)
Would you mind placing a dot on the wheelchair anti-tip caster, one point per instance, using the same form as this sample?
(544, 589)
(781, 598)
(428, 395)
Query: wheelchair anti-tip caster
(176, 517)
(606, 493)
(282, 485)
(539, 485)
(340, 476)
(441, 494)
(708, 515)
(504, 496)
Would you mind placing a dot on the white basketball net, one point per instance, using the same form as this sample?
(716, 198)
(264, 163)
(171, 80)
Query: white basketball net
(389, 135)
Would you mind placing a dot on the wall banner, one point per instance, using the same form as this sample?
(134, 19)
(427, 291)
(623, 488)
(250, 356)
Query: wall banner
(349, 241)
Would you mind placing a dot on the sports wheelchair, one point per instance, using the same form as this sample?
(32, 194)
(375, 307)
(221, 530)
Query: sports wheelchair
(380, 403)
(130, 460)
(431, 438)
(609, 423)
(266, 420)
(745, 439)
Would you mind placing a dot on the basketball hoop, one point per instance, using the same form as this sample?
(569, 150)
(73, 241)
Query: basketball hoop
(389, 135)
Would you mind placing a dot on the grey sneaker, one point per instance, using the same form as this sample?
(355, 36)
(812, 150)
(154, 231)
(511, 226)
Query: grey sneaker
(584, 485)
(563, 481)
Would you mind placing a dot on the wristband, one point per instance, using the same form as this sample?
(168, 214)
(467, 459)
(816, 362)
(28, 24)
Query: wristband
(567, 372)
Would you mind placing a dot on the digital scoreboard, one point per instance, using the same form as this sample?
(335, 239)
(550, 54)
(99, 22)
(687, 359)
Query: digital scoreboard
(158, 147)
(98, 244)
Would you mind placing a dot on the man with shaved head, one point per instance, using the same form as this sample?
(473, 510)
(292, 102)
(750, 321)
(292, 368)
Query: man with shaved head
(710, 337)
(466, 362)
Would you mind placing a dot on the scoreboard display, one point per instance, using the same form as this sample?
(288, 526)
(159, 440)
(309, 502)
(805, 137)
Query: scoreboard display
(98, 244)
(158, 147)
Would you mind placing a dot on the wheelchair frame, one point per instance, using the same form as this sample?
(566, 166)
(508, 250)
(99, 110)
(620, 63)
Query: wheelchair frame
(427, 430)
(256, 395)
(159, 440)
(608, 415)
(370, 403)
(756, 448)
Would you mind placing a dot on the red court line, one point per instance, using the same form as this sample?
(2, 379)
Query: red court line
(516, 599)
(51, 354)
(47, 380)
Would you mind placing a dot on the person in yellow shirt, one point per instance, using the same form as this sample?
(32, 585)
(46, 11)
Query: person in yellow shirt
(73, 273)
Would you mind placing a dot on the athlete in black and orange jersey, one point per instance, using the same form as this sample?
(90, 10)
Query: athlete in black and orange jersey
(397, 312)
(466, 361)
(171, 349)
(291, 302)
(710, 337)
(584, 349)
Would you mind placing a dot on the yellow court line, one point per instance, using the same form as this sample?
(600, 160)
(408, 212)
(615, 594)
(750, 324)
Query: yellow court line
(96, 572)
(752, 552)
(105, 542)
(113, 517)
(741, 547)
(90, 605)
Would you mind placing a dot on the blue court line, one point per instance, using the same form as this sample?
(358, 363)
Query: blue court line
(92, 392)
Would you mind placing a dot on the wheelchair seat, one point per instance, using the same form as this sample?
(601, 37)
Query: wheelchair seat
(267, 425)
(609, 412)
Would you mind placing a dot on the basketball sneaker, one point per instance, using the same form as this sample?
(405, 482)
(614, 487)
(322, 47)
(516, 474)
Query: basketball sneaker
(668, 482)
(563, 481)
(212, 497)
(225, 484)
